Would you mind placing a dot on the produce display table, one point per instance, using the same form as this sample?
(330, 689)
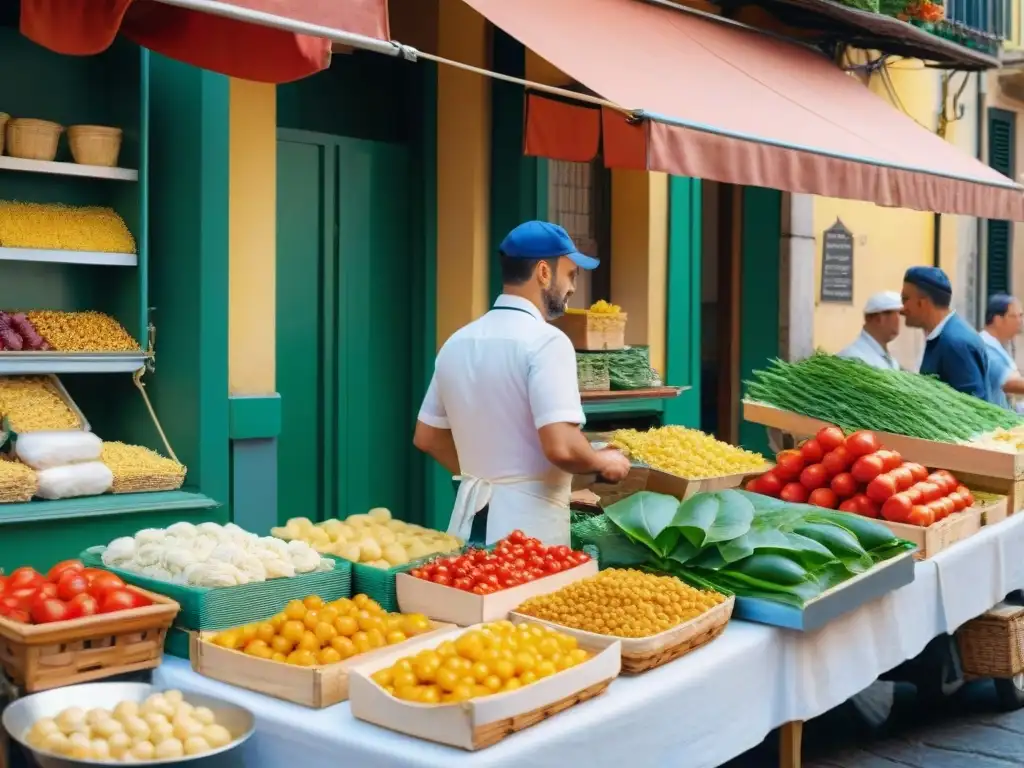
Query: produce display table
(698, 712)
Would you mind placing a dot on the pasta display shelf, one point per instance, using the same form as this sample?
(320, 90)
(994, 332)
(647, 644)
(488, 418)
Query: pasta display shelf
(67, 169)
(91, 258)
(70, 362)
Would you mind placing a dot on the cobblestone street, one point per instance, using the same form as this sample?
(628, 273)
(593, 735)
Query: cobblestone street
(968, 731)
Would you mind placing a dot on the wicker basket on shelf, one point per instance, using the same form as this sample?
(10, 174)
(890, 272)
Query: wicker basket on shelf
(95, 144)
(992, 645)
(31, 139)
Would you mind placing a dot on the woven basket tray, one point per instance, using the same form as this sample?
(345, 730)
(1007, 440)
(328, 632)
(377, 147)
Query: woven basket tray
(226, 607)
(992, 645)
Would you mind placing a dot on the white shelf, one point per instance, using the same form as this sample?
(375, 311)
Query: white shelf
(35, 363)
(67, 169)
(70, 257)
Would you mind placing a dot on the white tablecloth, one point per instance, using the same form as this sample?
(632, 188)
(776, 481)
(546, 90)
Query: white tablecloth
(697, 712)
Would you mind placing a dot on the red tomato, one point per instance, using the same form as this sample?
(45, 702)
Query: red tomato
(19, 615)
(754, 485)
(8, 604)
(812, 452)
(918, 471)
(105, 582)
(867, 468)
(943, 508)
(22, 578)
(483, 589)
(814, 477)
(71, 583)
(92, 573)
(836, 461)
(850, 505)
(24, 597)
(862, 443)
(582, 557)
(929, 491)
(968, 497)
(789, 464)
(58, 570)
(49, 589)
(770, 484)
(843, 485)
(914, 493)
(465, 584)
(921, 515)
(794, 493)
(82, 605)
(890, 460)
(49, 609)
(517, 536)
(823, 497)
(865, 506)
(896, 509)
(959, 502)
(903, 478)
(830, 438)
(881, 488)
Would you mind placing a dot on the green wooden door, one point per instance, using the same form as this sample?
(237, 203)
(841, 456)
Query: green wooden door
(344, 326)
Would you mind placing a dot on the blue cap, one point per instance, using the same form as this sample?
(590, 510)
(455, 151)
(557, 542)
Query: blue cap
(929, 277)
(543, 240)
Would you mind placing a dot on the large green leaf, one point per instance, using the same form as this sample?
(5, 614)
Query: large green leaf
(683, 552)
(646, 517)
(614, 547)
(708, 518)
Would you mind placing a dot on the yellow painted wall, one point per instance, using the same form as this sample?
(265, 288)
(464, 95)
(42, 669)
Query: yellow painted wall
(463, 169)
(252, 238)
(886, 240)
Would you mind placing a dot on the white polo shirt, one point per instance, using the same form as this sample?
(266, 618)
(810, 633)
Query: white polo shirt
(496, 382)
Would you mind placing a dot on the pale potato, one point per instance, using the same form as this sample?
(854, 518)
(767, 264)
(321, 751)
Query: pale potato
(380, 514)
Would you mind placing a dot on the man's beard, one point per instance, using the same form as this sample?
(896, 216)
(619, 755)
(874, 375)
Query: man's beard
(554, 304)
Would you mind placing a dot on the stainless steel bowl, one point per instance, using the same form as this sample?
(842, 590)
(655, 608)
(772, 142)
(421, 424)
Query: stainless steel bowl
(19, 717)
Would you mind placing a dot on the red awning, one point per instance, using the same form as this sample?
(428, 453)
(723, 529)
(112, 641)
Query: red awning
(726, 103)
(202, 32)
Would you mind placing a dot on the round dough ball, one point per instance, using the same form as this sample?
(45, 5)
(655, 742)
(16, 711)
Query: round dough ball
(143, 750)
(395, 554)
(136, 727)
(183, 708)
(100, 749)
(107, 728)
(119, 743)
(196, 745)
(379, 514)
(161, 732)
(169, 748)
(55, 742)
(71, 719)
(97, 715)
(369, 550)
(157, 703)
(174, 696)
(184, 727)
(204, 715)
(126, 709)
(154, 719)
(217, 736)
(41, 729)
(79, 746)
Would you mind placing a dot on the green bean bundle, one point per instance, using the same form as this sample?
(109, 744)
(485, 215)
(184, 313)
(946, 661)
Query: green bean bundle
(853, 395)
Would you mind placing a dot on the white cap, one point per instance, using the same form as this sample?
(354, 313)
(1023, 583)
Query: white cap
(886, 301)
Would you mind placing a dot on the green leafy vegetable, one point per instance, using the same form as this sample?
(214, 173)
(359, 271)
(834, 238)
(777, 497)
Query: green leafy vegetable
(770, 567)
(709, 518)
(645, 517)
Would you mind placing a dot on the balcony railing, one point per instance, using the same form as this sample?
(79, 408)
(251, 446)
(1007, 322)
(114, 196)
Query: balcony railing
(988, 21)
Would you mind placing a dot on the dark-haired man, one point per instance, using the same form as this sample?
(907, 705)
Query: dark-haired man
(953, 350)
(503, 411)
(1003, 319)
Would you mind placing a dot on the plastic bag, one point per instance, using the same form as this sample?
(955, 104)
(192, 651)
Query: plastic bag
(89, 479)
(45, 450)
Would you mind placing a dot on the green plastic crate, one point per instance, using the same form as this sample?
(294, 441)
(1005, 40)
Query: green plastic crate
(227, 607)
(177, 643)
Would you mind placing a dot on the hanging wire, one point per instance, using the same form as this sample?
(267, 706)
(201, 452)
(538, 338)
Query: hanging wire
(137, 380)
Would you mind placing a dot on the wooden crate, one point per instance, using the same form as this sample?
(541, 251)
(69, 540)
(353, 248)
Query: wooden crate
(941, 535)
(1013, 490)
(590, 332)
(647, 479)
(646, 653)
(992, 645)
(37, 657)
(968, 460)
(316, 687)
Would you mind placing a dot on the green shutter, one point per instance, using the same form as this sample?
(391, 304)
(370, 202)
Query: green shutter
(1001, 156)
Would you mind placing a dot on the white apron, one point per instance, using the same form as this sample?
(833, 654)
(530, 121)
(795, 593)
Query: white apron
(538, 506)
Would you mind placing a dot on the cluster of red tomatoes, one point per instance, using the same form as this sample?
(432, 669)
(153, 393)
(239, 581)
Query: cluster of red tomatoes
(68, 591)
(515, 560)
(855, 474)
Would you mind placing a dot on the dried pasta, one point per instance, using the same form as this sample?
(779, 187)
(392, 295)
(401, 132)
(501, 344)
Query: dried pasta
(137, 469)
(55, 226)
(34, 404)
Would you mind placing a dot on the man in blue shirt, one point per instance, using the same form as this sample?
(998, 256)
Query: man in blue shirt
(1003, 321)
(953, 351)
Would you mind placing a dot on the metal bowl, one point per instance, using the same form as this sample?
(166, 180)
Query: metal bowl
(20, 715)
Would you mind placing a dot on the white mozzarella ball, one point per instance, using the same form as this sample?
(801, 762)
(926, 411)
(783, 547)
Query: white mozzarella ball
(217, 736)
(196, 745)
(169, 748)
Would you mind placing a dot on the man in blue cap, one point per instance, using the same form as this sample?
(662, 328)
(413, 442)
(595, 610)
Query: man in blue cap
(953, 350)
(503, 411)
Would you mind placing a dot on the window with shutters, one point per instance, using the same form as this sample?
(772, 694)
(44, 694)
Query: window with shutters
(579, 196)
(1002, 126)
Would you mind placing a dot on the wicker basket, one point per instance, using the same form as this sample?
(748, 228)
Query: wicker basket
(992, 645)
(4, 117)
(44, 656)
(32, 139)
(95, 144)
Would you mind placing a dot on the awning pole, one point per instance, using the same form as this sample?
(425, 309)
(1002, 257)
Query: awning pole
(230, 11)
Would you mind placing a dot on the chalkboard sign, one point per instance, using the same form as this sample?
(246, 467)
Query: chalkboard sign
(837, 265)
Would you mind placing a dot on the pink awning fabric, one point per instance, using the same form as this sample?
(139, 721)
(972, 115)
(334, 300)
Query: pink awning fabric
(729, 104)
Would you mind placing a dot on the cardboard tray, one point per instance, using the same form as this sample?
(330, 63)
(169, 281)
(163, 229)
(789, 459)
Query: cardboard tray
(454, 606)
(639, 652)
(970, 459)
(482, 722)
(317, 687)
(843, 598)
(647, 479)
(941, 535)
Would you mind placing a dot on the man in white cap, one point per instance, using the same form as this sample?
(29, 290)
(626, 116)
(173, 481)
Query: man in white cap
(881, 327)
